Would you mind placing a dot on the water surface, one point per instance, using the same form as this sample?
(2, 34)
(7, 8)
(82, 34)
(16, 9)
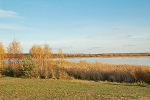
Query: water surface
(135, 61)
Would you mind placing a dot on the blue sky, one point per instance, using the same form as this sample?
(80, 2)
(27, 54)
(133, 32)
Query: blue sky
(77, 26)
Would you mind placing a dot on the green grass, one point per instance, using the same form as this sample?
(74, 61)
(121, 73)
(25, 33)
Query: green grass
(19, 88)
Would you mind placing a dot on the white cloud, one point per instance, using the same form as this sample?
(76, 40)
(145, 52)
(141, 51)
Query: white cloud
(139, 36)
(14, 27)
(8, 14)
(11, 26)
(128, 45)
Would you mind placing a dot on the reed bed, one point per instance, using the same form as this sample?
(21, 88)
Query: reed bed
(111, 72)
(82, 70)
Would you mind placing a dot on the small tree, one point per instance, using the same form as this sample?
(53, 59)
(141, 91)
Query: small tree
(28, 69)
(36, 53)
(41, 56)
(60, 54)
(47, 62)
(15, 54)
(47, 54)
(2, 56)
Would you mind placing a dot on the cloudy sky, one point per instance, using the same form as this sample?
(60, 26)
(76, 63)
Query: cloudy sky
(77, 26)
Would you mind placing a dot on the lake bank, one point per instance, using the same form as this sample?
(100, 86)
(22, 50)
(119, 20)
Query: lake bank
(82, 69)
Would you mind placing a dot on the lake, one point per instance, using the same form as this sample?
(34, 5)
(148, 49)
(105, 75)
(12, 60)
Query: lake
(127, 60)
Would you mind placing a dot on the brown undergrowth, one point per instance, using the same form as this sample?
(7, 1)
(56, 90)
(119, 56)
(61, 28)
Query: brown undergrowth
(111, 72)
(62, 69)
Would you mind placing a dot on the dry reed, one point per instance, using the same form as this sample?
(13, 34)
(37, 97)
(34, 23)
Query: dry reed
(111, 72)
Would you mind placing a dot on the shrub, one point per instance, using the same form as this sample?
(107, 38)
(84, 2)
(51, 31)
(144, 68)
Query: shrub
(9, 71)
(29, 69)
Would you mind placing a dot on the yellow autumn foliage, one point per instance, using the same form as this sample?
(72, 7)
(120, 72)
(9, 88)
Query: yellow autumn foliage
(14, 54)
(2, 55)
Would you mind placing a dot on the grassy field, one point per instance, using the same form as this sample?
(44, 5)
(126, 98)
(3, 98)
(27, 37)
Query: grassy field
(19, 88)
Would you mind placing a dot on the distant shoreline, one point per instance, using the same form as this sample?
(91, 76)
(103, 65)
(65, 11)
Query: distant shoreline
(119, 55)
(111, 57)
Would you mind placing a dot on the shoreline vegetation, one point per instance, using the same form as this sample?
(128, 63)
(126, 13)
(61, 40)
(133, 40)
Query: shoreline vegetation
(40, 64)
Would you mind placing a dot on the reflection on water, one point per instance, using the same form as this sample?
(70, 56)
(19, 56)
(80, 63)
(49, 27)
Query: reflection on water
(135, 61)
(13, 61)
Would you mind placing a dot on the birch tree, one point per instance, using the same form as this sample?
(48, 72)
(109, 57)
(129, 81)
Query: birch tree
(36, 53)
(60, 56)
(2, 56)
(47, 55)
(15, 54)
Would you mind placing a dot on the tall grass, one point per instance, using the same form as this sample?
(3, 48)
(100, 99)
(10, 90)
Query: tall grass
(111, 72)
(84, 70)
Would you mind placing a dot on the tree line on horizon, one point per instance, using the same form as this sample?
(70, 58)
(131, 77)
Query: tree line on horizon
(82, 55)
(106, 55)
